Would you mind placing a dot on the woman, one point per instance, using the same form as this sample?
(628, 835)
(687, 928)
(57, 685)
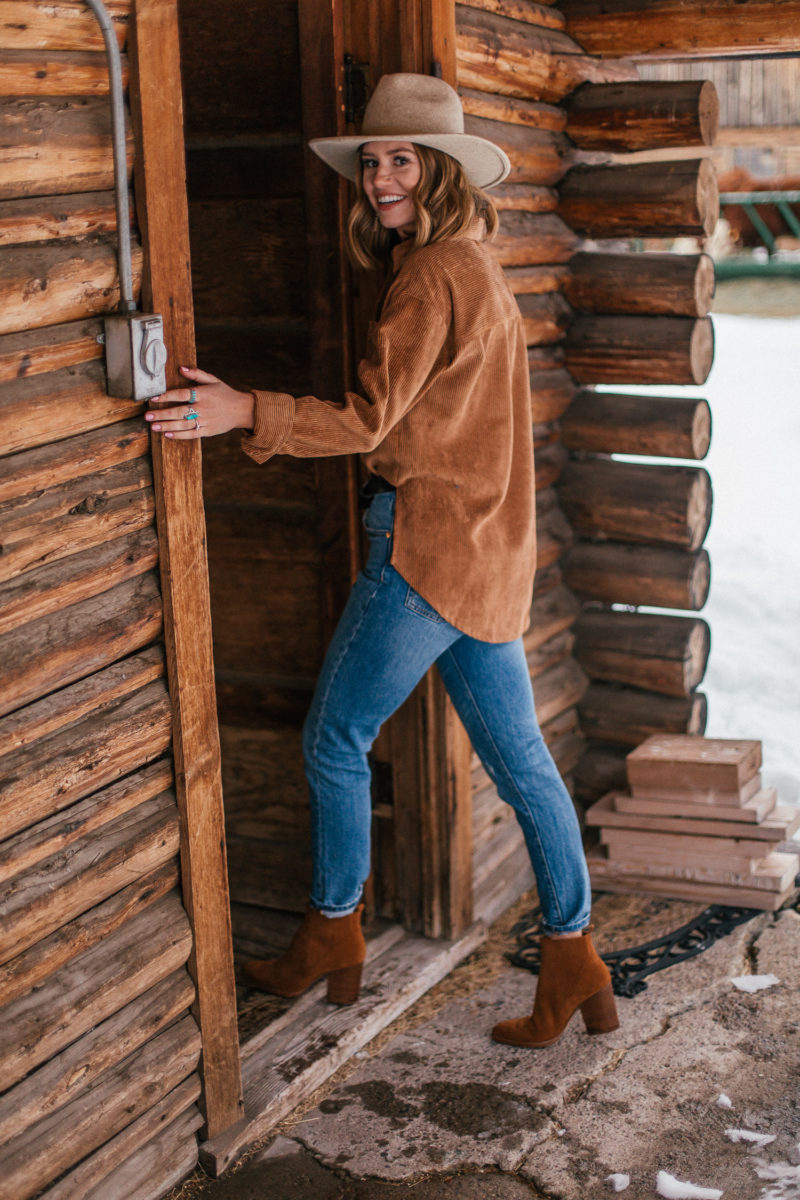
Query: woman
(442, 421)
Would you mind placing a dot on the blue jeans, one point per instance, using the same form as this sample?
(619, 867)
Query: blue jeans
(386, 640)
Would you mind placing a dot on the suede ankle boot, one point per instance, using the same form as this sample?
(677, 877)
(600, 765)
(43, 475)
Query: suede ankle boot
(572, 976)
(332, 946)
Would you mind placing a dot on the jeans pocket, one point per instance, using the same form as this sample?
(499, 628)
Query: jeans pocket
(415, 603)
(378, 521)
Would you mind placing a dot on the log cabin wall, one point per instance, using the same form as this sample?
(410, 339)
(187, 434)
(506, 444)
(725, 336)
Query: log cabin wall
(613, 533)
(98, 1050)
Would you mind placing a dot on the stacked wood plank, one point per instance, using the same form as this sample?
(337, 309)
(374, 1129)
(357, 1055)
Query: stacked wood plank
(696, 823)
(98, 1049)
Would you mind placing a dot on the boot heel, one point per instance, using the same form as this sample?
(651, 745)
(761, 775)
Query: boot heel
(344, 985)
(599, 1012)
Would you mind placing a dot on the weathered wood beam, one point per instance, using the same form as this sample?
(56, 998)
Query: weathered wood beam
(531, 114)
(42, 409)
(658, 576)
(161, 1145)
(639, 350)
(31, 969)
(559, 689)
(626, 716)
(93, 986)
(536, 281)
(524, 197)
(135, 842)
(76, 1069)
(157, 108)
(532, 239)
(645, 199)
(40, 351)
(72, 458)
(501, 55)
(650, 114)
(41, 219)
(43, 527)
(78, 640)
(657, 652)
(554, 534)
(637, 502)
(536, 155)
(541, 15)
(49, 148)
(551, 614)
(677, 285)
(73, 762)
(544, 317)
(552, 390)
(682, 28)
(53, 283)
(661, 426)
(125, 1092)
(45, 73)
(71, 25)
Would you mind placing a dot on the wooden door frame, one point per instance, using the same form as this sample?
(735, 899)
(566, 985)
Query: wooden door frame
(163, 219)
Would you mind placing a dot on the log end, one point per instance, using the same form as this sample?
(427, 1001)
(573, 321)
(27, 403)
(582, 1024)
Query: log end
(698, 508)
(708, 112)
(707, 196)
(701, 350)
(701, 430)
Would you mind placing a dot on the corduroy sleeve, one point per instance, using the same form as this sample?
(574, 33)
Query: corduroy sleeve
(405, 353)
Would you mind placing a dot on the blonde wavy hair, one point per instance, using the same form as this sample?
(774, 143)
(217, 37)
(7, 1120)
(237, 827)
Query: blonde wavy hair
(445, 202)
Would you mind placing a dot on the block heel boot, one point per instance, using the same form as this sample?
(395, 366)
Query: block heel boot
(331, 947)
(572, 976)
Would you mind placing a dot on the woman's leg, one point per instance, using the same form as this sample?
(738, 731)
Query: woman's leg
(386, 640)
(491, 689)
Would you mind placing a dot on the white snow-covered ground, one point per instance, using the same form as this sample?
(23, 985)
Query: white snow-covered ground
(753, 677)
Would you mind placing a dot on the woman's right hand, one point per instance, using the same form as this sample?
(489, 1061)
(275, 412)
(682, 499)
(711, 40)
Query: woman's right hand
(218, 408)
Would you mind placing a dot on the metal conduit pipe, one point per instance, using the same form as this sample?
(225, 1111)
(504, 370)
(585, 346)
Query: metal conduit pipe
(127, 304)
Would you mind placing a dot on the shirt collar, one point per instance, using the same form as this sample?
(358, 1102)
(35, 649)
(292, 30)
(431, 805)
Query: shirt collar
(476, 232)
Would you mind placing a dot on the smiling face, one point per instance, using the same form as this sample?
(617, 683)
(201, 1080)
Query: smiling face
(389, 172)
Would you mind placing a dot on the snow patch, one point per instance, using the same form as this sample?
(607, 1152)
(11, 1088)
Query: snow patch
(747, 1135)
(619, 1181)
(754, 983)
(724, 1101)
(673, 1189)
(783, 1180)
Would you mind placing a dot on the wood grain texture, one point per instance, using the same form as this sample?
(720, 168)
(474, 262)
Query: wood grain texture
(619, 573)
(679, 28)
(73, 762)
(39, 351)
(54, 283)
(49, 148)
(38, 25)
(31, 969)
(60, 73)
(678, 285)
(663, 199)
(93, 986)
(40, 409)
(657, 652)
(53, 218)
(626, 716)
(124, 1092)
(69, 883)
(637, 502)
(157, 110)
(639, 350)
(646, 115)
(76, 1069)
(78, 640)
(624, 423)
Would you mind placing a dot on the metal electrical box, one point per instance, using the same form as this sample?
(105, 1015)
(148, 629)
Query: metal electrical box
(135, 355)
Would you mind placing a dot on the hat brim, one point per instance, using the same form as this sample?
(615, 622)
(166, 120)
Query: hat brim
(484, 163)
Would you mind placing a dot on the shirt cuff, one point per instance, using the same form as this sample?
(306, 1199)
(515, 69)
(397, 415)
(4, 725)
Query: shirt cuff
(273, 418)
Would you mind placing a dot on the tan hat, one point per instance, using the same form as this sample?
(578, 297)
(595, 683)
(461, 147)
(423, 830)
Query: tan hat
(422, 109)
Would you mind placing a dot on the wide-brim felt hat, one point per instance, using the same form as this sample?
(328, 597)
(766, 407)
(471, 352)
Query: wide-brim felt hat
(421, 109)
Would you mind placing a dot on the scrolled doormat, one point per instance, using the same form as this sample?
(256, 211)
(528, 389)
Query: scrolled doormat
(630, 968)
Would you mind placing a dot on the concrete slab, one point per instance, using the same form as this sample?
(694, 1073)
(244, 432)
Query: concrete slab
(438, 1111)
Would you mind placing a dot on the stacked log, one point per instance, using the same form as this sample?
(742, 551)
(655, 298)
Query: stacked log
(638, 318)
(515, 67)
(98, 1050)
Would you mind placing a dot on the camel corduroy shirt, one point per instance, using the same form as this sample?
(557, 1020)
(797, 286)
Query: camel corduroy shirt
(443, 413)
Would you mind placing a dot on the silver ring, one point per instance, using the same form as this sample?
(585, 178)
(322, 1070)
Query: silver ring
(191, 414)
